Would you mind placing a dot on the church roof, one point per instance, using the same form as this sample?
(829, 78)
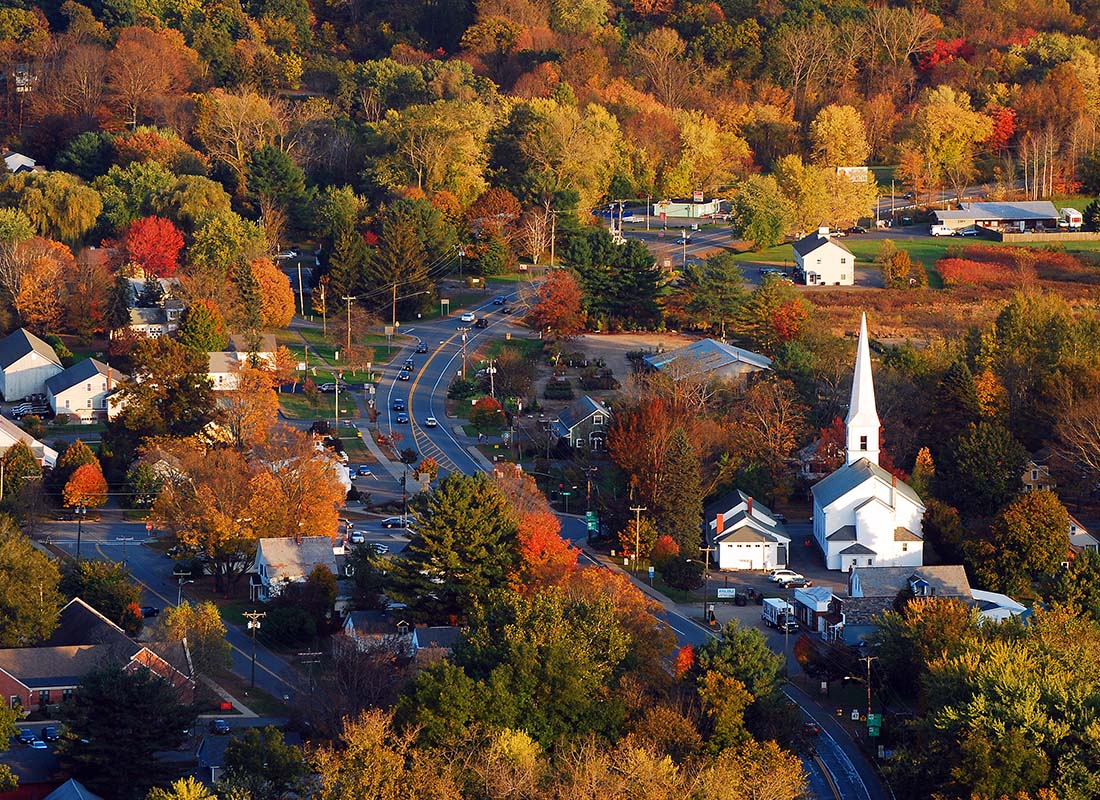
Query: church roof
(858, 549)
(846, 533)
(848, 477)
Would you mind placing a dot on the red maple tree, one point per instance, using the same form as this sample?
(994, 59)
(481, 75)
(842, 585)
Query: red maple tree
(557, 308)
(154, 244)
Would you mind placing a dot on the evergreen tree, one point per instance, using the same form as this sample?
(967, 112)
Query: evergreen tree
(981, 469)
(203, 328)
(249, 296)
(400, 259)
(1091, 215)
(75, 456)
(347, 265)
(151, 295)
(681, 496)
(117, 313)
(716, 290)
(954, 406)
(923, 472)
(462, 546)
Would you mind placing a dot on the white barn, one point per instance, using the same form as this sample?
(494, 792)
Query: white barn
(823, 261)
(26, 363)
(863, 515)
(748, 536)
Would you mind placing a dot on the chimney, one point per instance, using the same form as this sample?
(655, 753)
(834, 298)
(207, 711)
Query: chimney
(749, 512)
(109, 377)
(823, 233)
(719, 524)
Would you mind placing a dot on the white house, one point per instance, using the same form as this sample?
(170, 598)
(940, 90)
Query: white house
(26, 362)
(748, 536)
(226, 365)
(81, 390)
(823, 261)
(10, 433)
(1079, 536)
(289, 560)
(153, 322)
(863, 515)
(17, 162)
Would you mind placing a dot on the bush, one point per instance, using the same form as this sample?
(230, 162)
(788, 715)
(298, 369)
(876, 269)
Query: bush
(680, 573)
(487, 413)
(595, 378)
(956, 271)
(61, 419)
(32, 424)
(463, 389)
(558, 389)
(289, 625)
(665, 549)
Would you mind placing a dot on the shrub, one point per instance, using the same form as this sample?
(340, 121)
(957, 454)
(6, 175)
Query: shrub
(487, 413)
(462, 389)
(594, 378)
(956, 271)
(62, 419)
(289, 625)
(681, 573)
(558, 389)
(665, 549)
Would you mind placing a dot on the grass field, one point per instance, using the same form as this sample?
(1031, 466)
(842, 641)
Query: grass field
(528, 348)
(296, 406)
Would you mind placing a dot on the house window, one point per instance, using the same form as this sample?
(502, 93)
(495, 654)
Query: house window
(66, 695)
(89, 387)
(66, 403)
(43, 697)
(862, 442)
(819, 261)
(905, 547)
(1035, 474)
(597, 419)
(870, 562)
(843, 261)
(843, 277)
(16, 702)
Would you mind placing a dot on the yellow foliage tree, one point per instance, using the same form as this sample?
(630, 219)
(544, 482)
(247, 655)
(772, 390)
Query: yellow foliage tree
(87, 487)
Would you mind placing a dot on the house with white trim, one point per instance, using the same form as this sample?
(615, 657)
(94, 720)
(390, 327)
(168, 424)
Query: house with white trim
(583, 425)
(10, 433)
(748, 536)
(863, 515)
(289, 559)
(823, 261)
(26, 362)
(81, 390)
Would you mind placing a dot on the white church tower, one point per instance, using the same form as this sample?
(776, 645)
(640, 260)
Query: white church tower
(862, 421)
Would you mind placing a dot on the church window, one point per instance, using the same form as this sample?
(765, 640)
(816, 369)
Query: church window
(862, 442)
(870, 562)
(905, 547)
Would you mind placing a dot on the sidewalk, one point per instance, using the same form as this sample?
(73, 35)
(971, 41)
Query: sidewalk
(245, 712)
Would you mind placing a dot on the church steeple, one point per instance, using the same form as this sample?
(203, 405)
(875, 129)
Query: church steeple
(862, 421)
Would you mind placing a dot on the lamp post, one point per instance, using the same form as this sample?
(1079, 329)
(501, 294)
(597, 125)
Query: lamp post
(253, 618)
(179, 592)
(80, 511)
(706, 578)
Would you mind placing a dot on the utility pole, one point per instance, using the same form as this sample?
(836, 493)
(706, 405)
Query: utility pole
(313, 658)
(253, 618)
(301, 294)
(80, 511)
(336, 401)
(637, 533)
(393, 315)
(124, 540)
(463, 331)
(867, 660)
(349, 298)
(706, 578)
(553, 235)
(492, 382)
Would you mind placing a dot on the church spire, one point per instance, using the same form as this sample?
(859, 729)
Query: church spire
(862, 421)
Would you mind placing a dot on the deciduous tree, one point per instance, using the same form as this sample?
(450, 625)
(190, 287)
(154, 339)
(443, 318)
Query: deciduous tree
(556, 310)
(201, 625)
(981, 470)
(154, 244)
(1030, 539)
(839, 138)
(760, 211)
(106, 587)
(203, 328)
(262, 764)
(87, 487)
(29, 588)
(147, 65)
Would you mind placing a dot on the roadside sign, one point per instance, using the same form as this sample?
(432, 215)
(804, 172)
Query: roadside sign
(148, 526)
(301, 366)
(697, 196)
(651, 573)
(874, 719)
(726, 593)
(592, 525)
(873, 730)
(590, 515)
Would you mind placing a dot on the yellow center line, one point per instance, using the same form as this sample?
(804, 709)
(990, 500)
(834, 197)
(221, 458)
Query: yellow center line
(417, 433)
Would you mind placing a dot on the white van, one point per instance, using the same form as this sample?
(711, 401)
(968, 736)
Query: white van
(942, 230)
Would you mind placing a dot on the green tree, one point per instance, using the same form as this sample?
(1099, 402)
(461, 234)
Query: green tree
(681, 573)
(400, 260)
(981, 470)
(128, 192)
(839, 137)
(715, 291)
(105, 586)
(57, 204)
(943, 138)
(743, 654)
(760, 211)
(28, 587)
(249, 297)
(1029, 539)
(203, 328)
(89, 155)
(955, 406)
(143, 484)
(943, 529)
(151, 294)
(222, 243)
(1091, 215)
(115, 722)
(1078, 585)
(262, 764)
(273, 174)
(772, 314)
(724, 700)
(347, 267)
(680, 514)
(191, 201)
(201, 625)
(442, 703)
(117, 313)
(462, 546)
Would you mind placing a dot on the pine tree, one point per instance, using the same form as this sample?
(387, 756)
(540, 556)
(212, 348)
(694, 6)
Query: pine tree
(347, 265)
(401, 259)
(117, 313)
(248, 296)
(955, 406)
(463, 546)
(923, 473)
(152, 293)
(202, 328)
(680, 512)
(75, 456)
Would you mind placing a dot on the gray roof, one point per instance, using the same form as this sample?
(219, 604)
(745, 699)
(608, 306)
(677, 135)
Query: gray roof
(705, 355)
(286, 558)
(72, 789)
(239, 343)
(858, 549)
(863, 610)
(377, 623)
(49, 667)
(222, 362)
(846, 533)
(947, 580)
(442, 636)
(80, 624)
(19, 343)
(148, 316)
(849, 476)
(1030, 210)
(576, 414)
(807, 244)
(741, 526)
(81, 372)
(12, 431)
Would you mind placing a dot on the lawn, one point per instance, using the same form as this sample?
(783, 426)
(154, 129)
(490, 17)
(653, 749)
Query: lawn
(256, 699)
(297, 406)
(528, 348)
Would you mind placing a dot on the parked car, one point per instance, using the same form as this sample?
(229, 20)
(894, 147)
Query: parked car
(795, 583)
(431, 422)
(398, 404)
(422, 347)
(148, 612)
(219, 727)
(393, 522)
(38, 744)
(404, 375)
(779, 575)
(968, 232)
(364, 471)
(357, 537)
(402, 418)
(500, 300)
(507, 310)
(469, 316)
(482, 323)
(287, 254)
(26, 736)
(51, 734)
(330, 388)
(941, 230)
(855, 230)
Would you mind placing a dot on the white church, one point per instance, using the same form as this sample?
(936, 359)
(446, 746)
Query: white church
(863, 515)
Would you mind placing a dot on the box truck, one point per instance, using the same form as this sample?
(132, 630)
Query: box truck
(779, 614)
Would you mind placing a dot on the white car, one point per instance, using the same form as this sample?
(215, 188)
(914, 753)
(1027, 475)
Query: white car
(431, 422)
(469, 316)
(357, 537)
(286, 254)
(783, 575)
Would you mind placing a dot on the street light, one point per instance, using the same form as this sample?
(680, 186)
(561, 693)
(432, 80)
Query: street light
(254, 618)
(80, 512)
(179, 593)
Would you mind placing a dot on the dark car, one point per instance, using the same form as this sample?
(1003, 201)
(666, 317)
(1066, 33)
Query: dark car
(398, 405)
(422, 347)
(855, 230)
(51, 734)
(796, 583)
(219, 727)
(811, 728)
(148, 612)
(482, 323)
(393, 522)
(26, 736)
(364, 471)
(499, 300)
(404, 375)
(402, 418)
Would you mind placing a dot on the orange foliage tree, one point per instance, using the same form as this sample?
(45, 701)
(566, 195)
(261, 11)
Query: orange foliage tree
(545, 557)
(276, 294)
(557, 309)
(154, 244)
(87, 487)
